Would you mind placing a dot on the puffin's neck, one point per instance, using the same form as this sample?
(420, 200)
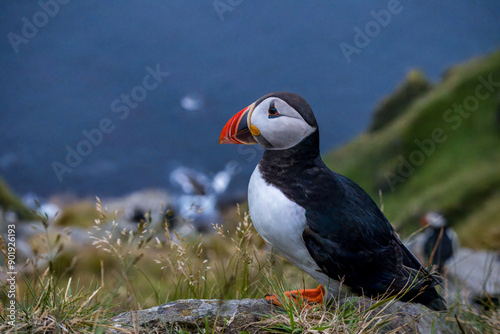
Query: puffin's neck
(302, 154)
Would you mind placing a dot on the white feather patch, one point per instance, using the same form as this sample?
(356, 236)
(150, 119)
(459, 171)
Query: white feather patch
(280, 222)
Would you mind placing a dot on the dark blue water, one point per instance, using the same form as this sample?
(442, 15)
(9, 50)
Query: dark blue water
(63, 80)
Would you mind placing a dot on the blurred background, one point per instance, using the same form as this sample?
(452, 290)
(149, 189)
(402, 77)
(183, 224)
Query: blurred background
(63, 78)
(125, 100)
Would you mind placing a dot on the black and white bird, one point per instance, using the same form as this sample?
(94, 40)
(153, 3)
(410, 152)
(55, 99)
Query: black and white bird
(321, 221)
(440, 242)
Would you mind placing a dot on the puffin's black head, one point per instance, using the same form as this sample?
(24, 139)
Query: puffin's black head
(277, 121)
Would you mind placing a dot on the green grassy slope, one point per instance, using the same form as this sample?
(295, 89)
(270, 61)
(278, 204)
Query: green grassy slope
(456, 170)
(9, 201)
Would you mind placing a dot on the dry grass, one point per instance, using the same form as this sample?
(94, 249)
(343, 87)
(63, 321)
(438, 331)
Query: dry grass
(139, 267)
(337, 317)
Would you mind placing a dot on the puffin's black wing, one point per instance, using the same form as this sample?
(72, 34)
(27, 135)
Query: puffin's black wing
(351, 240)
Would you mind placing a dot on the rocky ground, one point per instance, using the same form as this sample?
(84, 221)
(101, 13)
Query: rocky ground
(236, 316)
(471, 276)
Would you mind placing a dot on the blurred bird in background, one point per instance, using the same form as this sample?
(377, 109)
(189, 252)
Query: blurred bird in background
(440, 242)
(199, 202)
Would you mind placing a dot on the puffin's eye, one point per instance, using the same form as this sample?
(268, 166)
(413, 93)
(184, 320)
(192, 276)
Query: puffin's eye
(272, 111)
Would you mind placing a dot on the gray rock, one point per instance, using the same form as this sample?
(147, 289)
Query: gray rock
(469, 274)
(474, 273)
(191, 315)
(234, 316)
(405, 318)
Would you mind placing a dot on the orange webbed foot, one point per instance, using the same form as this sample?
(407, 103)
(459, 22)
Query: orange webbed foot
(301, 297)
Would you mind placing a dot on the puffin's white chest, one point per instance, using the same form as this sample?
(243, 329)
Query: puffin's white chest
(280, 222)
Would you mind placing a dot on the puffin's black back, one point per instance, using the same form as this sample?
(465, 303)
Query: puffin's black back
(438, 246)
(347, 235)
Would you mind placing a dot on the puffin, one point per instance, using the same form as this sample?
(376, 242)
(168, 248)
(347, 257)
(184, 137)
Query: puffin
(321, 221)
(440, 242)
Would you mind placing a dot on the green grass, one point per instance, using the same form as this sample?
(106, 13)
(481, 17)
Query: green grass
(9, 201)
(353, 315)
(62, 289)
(138, 269)
(460, 178)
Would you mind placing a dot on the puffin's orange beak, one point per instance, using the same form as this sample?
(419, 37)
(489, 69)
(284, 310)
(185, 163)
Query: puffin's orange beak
(237, 129)
(424, 221)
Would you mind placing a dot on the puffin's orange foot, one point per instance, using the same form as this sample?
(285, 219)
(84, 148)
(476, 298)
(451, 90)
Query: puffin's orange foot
(301, 297)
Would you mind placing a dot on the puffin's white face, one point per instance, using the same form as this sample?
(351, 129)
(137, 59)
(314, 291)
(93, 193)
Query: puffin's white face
(435, 220)
(272, 122)
(276, 125)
